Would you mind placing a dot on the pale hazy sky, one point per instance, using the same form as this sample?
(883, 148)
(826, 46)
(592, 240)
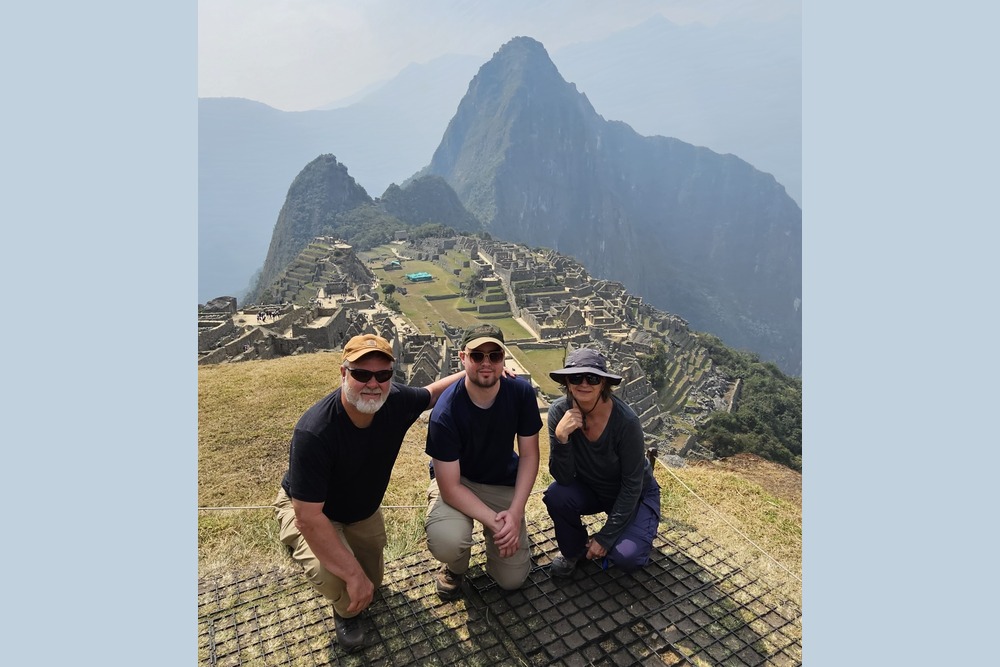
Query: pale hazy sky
(302, 54)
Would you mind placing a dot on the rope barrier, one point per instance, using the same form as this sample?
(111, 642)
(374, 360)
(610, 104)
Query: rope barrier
(727, 522)
(245, 507)
(656, 460)
(271, 507)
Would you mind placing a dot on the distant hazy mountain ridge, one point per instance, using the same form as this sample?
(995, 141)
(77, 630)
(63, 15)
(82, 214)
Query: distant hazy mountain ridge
(734, 87)
(527, 158)
(696, 233)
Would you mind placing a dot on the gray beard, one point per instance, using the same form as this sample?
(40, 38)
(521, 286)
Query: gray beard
(368, 406)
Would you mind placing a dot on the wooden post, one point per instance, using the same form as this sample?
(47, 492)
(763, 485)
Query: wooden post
(651, 455)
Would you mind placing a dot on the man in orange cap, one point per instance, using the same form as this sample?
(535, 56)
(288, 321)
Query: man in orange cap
(341, 456)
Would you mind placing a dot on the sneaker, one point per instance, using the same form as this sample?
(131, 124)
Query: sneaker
(562, 566)
(350, 634)
(449, 584)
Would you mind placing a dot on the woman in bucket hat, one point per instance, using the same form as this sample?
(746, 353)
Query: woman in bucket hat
(597, 459)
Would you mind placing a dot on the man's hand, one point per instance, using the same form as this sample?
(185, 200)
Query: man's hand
(361, 591)
(326, 544)
(508, 537)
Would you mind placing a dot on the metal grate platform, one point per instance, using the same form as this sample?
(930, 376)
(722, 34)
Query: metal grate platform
(691, 605)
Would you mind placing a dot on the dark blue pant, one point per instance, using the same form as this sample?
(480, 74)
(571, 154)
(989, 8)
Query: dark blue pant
(568, 502)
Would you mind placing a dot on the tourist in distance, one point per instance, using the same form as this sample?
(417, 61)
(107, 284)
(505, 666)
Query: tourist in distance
(341, 456)
(476, 474)
(597, 459)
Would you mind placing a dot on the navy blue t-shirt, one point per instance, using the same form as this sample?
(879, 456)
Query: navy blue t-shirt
(482, 441)
(332, 461)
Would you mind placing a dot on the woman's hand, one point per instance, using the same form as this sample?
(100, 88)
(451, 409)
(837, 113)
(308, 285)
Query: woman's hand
(595, 550)
(571, 420)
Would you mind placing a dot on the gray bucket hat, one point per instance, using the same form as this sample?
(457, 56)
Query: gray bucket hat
(586, 360)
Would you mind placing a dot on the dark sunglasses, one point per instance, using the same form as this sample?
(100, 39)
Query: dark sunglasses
(591, 378)
(496, 356)
(363, 376)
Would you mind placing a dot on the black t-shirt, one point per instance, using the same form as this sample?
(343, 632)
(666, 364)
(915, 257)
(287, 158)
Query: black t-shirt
(482, 441)
(332, 461)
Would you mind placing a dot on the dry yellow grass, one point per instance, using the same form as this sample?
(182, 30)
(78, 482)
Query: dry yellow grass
(246, 413)
(762, 530)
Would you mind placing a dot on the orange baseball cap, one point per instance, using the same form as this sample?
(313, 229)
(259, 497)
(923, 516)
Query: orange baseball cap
(364, 344)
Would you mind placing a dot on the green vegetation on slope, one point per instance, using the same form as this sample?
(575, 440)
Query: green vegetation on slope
(655, 365)
(768, 417)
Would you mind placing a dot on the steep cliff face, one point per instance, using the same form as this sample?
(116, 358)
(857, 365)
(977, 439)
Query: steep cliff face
(324, 200)
(322, 190)
(703, 235)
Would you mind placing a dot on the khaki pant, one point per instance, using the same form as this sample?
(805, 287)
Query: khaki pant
(365, 539)
(449, 535)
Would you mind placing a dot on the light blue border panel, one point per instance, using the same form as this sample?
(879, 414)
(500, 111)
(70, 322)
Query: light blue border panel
(900, 372)
(99, 258)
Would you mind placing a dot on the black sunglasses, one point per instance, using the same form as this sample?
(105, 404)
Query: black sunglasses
(363, 376)
(496, 356)
(591, 378)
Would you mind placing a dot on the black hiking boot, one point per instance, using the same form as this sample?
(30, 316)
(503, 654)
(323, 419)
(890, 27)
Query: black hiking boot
(449, 584)
(350, 634)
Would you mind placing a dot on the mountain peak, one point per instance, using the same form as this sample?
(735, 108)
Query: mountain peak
(698, 233)
(522, 55)
(522, 44)
(517, 95)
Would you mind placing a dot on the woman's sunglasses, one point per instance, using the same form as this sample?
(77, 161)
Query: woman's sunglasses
(496, 356)
(363, 376)
(591, 378)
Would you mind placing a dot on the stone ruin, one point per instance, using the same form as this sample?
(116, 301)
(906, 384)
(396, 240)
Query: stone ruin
(550, 294)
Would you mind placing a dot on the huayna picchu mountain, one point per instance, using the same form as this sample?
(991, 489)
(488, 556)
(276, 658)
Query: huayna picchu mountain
(321, 190)
(324, 200)
(703, 235)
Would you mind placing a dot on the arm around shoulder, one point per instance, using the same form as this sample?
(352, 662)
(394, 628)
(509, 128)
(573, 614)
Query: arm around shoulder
(438, 386)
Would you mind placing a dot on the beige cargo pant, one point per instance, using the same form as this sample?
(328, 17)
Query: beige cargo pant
(449, 535)
(365, 539)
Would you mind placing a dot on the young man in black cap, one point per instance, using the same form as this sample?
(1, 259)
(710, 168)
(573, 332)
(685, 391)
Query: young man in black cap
(341, 456)
(477, 474)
